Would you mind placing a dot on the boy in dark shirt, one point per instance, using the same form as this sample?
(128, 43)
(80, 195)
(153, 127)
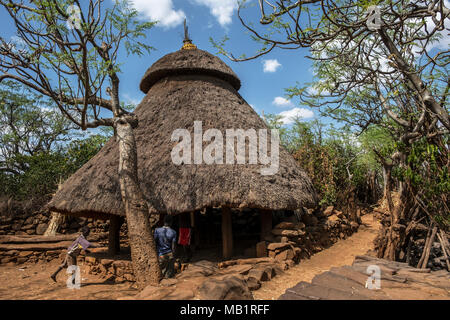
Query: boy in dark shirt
(74, 250)
(166, 240)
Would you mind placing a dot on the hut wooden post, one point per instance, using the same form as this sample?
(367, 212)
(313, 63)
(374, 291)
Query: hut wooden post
(266, 223)
(195, 240)
(114, 234)
(227, 233)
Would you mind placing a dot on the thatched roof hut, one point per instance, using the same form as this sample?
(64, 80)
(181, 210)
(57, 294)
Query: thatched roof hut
(183, 87)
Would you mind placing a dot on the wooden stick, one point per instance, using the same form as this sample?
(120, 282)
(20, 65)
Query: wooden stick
(424, 249)
(430, 245)
(408, 250)
(227, 233)
(444, 249)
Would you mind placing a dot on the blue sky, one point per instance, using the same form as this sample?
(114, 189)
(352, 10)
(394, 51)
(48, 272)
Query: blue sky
(263, 80)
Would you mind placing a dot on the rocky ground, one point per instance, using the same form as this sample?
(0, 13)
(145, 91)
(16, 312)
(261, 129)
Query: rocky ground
(340, 254)
(396, 281)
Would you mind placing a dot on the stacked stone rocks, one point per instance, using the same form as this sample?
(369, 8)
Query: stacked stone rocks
(36, 223)
(25, 223)
(293, 241)
(32, 249)
(114, 270)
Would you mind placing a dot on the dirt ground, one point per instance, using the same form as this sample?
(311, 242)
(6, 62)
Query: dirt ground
(340, 254)
(32, 281)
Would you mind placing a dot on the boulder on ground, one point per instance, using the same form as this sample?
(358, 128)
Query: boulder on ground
(238, 268)
(278, 246)
(253, 284)
(41, 228)
(285, 255)
(227, 288)
(328, 211)
(261, 249)
(286, 233)
(285, 225)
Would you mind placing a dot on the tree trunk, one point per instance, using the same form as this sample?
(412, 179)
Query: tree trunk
(143, 249)
(56, 220)
(388, 188)
(384, 183)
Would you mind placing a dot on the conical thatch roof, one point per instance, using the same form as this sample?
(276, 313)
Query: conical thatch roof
(183, 87)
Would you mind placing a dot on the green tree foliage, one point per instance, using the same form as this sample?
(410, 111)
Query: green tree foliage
(334, 159)
(37, 145)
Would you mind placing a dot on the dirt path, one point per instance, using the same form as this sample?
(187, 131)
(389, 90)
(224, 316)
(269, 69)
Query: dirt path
(341, 253)
(32, 281)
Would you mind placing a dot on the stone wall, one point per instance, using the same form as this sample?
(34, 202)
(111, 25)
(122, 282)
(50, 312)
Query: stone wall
(36, 223)
(293, 241)
(287, 245)
(31, 249)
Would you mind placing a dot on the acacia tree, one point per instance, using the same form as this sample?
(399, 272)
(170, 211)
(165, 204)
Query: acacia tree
(376, 66)
(69, 52)
(28, 126)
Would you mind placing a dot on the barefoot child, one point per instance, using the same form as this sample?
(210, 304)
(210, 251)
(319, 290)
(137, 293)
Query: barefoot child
(74, 250)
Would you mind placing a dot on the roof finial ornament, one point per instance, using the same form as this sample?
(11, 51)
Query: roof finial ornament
(187, 42)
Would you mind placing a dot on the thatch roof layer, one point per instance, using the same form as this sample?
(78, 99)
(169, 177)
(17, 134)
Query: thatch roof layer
(189, 62)
(173, 102)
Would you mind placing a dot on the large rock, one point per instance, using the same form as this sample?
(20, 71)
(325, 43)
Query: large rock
(285, 255)
(238, 268)
(260, 274)
(227, 288)
(328, 211)
(201, 268)
(310, 220)
(261, 249)
(300, 225)
(41, 228)
(278, 246)
(333, 218)
(285, 225)
(252, 283)
(286, 233)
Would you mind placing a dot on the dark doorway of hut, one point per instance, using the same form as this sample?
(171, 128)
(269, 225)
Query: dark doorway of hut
(216, 234)
(219, 234)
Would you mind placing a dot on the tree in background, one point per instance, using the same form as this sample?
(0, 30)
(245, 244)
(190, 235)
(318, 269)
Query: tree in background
(32, 136)
(70, 55)
(335, 160)
(38, 146)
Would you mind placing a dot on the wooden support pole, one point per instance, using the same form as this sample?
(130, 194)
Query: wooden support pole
(227, 233)
(266, 223)
(444, 249)
(426, 250)
(114, 234)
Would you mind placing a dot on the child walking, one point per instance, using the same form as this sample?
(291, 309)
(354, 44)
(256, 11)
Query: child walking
(74, 250)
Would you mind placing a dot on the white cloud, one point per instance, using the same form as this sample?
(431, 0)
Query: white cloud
(271, 65)
(288, 117)
(444, 42)
(160, 10)
(131, 100)
(282, 102)
(222, 10)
